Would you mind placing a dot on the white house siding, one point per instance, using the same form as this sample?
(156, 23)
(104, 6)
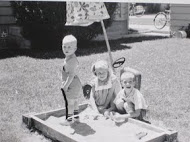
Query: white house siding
(8, 24)
(180, 16)
(6, 16)
(6, 13)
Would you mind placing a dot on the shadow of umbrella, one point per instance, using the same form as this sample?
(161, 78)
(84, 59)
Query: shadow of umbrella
(82, 129)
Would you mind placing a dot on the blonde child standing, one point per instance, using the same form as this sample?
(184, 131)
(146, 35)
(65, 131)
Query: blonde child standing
(71, 83)
(129, 101)
(105, 86)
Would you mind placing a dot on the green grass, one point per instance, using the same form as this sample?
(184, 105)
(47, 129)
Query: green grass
(30, 82)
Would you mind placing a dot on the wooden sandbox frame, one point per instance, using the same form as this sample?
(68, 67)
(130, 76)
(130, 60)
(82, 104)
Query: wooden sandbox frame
(36, 121)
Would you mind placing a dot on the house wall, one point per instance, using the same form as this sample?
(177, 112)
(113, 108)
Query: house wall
(180, 16)
(8, 25)
(120, 23)
(6, 16)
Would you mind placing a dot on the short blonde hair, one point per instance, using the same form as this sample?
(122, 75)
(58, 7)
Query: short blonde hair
(127, 75)
(101, 64)
(69, 39)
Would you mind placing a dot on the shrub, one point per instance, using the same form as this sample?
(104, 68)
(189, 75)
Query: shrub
(43, 23)
(154, 7)
(188, 31)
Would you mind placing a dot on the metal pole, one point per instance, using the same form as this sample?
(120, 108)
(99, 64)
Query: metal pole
(107, 43)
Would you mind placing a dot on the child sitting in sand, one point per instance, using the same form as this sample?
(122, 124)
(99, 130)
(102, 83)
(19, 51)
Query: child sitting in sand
(129, 101)
(105, 86)
(70, 81)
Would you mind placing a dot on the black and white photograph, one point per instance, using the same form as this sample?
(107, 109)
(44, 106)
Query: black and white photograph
(94, 71)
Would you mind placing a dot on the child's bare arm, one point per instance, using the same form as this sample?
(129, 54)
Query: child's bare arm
(71, 74)
(114, 91)
(92, 101)
(117, 86)
(69, 80)
(109, 100)
(134, 114)
(112, 108)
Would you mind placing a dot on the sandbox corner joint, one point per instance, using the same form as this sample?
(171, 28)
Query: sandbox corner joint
(27, 119)
(171, 136)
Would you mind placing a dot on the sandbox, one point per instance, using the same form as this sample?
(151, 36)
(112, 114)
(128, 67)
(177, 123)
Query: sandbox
(95, 129)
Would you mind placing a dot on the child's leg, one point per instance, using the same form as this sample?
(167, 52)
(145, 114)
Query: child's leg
(68, 120)
(76, 109)
(129, 107)
(70, 109)
(120, 106)
(142, 116)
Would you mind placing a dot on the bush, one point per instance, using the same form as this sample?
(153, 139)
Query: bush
(43, 23)
(188, 31)
(153, 8)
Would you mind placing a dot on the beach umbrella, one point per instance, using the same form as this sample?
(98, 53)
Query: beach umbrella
(86, 13)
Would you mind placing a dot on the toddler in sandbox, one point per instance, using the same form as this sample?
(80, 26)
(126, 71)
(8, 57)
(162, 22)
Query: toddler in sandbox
(129, 101)
(105, 86)
(71, 83)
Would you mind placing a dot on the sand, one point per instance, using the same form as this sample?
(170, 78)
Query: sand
(99, 129)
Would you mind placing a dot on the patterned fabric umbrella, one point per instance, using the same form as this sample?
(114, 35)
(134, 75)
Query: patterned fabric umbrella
(85, 13)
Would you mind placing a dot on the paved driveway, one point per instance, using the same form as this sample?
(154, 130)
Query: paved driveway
(145, 23)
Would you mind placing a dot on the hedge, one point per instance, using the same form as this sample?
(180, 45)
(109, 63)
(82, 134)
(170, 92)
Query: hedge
(43, 23)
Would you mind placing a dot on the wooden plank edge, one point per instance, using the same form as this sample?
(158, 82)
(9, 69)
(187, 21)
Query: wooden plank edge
(158, 138)
(146, 125)
(57, 112)
(27, 118)
(49, 131)
(170, 135)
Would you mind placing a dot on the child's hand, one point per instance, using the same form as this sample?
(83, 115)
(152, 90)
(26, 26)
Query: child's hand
(107, 114)
(65, 88)
(118, 118)
(62, 85)
(101, 109)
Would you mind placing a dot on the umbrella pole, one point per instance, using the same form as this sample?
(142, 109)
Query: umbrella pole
(107, 43)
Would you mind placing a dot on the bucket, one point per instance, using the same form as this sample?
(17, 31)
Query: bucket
(180, 34)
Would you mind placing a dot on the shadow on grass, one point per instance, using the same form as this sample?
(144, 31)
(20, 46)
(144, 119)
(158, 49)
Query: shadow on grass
(84, 48)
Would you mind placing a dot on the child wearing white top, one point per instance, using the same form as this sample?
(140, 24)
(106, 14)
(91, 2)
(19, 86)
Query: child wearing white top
(129, 101)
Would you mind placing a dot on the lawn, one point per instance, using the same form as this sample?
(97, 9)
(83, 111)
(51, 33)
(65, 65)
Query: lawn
(30, 82)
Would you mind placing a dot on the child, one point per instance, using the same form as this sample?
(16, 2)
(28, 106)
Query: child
(105, 86)
(129, 101)
(70, 81)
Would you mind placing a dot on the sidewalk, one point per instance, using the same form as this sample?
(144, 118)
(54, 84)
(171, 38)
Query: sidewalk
(138, 31)
(149, 28)
(138, 26)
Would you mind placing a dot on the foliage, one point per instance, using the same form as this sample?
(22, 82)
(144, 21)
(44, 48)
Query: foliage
(44, 23)
(153, 7)
(188, 31)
